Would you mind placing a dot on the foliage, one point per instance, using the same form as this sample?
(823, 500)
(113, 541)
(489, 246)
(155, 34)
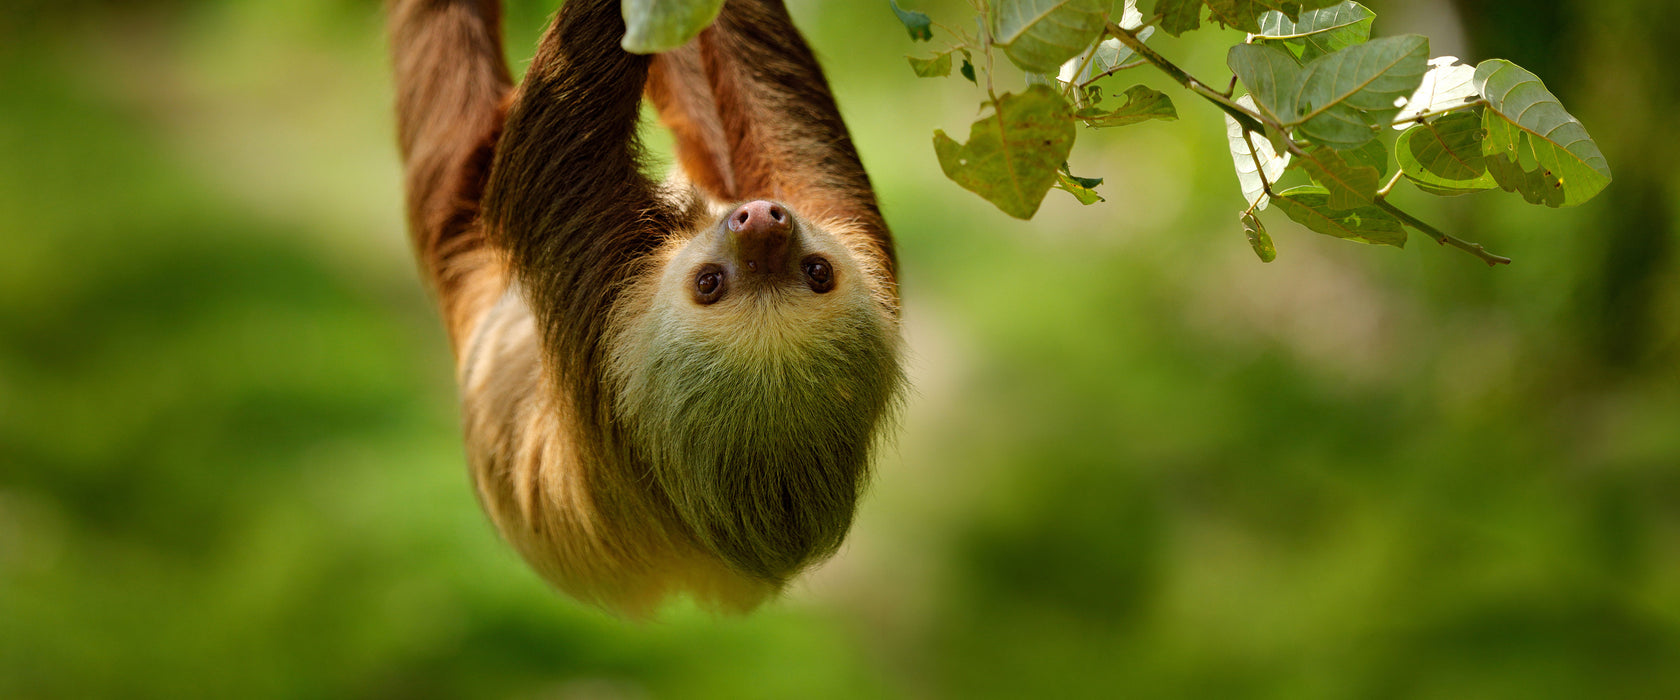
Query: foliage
(1320, 94)
(652, 26)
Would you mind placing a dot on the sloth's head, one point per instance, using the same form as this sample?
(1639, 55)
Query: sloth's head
(751, 371)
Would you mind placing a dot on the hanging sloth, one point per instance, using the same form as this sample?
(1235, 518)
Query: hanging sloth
(667, 386)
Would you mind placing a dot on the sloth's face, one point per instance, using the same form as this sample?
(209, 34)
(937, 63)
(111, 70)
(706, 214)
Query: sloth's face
(753, 375)
(762, 275)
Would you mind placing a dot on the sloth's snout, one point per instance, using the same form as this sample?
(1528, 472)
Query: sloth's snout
(762, 232)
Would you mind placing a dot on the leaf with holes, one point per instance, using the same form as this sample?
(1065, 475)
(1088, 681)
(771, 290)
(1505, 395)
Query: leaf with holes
(1012, 156)
(651, 26)
(1039, 35)
(1142, 104)
(1310, 207)
(918, 24)
(1534, 147)
(1348, 184)
(1318, 32)
(1248, 173)
(1258, 238)
(1445, 156)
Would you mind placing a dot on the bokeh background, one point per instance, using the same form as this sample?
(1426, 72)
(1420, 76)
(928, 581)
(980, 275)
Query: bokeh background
(1138, 462)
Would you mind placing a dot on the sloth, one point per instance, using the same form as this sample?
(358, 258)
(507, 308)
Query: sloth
(668, 387)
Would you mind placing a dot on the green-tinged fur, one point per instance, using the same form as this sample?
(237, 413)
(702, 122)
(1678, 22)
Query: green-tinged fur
(763, 453)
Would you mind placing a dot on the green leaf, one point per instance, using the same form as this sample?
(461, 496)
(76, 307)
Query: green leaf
(1179, 16)
(1038, 79)
(1142, 104)
(1082, 188)
(968, 67)
(1012, 157)
(1245, 14)
(1310, 207)
(1445, 156)
(1318, 32)
(1372, 154)
(1039, 35)
(1271, 75)
(1258, 238)
(918, 24)
(936, 67)
(1248, 174)
(1105, 55)
(1349, 185)
(1533, 146)
(1343, 95)
(1448, 84)
(652, 26)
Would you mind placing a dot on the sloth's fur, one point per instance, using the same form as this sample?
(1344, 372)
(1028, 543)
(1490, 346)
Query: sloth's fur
(756, 414)
(628, 441)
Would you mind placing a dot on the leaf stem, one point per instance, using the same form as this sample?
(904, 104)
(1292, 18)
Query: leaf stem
(1248, 120)
(1124, 66)
(1391, 183)
(1475, 249)
(1421, 117)
(1259, 169)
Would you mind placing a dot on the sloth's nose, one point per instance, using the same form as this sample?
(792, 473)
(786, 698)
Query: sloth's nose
(762, 231)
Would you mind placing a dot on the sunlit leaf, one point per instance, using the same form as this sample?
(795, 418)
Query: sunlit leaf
(1082, 188)
(1448, 84)
(1258, 238)
(1445, 156)
(1245, 14)
(1039, 35)
(1318, 32)
(1108, 54)
(1534, 147)
(918, 24)
(1310, 207)
(936, 67)
(1348, 184)
(1248, 173)
(1013, 155)
(1342, 95)
(1142, 104)
(651, 26)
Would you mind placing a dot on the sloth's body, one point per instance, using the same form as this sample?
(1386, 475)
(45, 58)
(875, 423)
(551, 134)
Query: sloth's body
(667, 387)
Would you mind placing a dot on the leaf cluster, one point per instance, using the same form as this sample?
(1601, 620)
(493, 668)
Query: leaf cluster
(1322, 102)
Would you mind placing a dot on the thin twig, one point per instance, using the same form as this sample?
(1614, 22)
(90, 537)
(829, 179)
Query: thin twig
(1248, 120)
(1124, 66)
(1475, 249)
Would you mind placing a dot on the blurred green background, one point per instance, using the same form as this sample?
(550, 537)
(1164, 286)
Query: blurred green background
(1138, 462)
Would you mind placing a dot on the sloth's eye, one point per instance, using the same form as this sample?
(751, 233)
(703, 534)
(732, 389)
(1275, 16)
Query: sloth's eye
(709, 285)
(819, 275)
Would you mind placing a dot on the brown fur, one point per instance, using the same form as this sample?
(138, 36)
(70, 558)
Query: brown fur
(545, 242)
